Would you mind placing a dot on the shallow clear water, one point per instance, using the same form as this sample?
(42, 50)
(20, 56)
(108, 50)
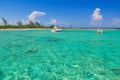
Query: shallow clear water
(65, 55)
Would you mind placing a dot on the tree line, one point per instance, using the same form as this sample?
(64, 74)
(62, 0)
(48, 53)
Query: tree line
(30, 24)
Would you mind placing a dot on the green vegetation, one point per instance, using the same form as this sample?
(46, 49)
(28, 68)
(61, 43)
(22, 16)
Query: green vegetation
(5, 21)
(30, 24)
(20, 25)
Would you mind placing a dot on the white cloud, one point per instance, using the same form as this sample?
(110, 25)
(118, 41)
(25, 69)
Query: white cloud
(25, 22)
(116, 21)
(1, 22)
(97, 17)
(35, 14)
(12, 22)
(53, 22)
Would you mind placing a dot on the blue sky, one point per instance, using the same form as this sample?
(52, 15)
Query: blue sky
(62, 12)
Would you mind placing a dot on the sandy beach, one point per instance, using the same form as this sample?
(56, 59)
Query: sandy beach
(27, 29)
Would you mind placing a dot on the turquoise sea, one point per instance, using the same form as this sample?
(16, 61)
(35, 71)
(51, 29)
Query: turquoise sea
(64, 55)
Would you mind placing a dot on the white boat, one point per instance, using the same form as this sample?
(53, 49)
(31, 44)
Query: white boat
(99, 31)
(56, 29)
(53, 30)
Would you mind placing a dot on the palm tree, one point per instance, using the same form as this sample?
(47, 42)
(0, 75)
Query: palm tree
(31, 23)
(19, 24)
(51, 26)
(5, 21)
(37, 24)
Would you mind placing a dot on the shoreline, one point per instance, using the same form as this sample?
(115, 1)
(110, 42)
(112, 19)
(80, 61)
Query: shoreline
(25, 29)
(50, 29)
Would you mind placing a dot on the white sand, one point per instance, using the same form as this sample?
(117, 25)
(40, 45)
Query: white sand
(27, 29)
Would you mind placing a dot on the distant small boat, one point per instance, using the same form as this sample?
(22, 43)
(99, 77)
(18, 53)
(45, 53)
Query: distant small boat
(99, 31)
(55, 29)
